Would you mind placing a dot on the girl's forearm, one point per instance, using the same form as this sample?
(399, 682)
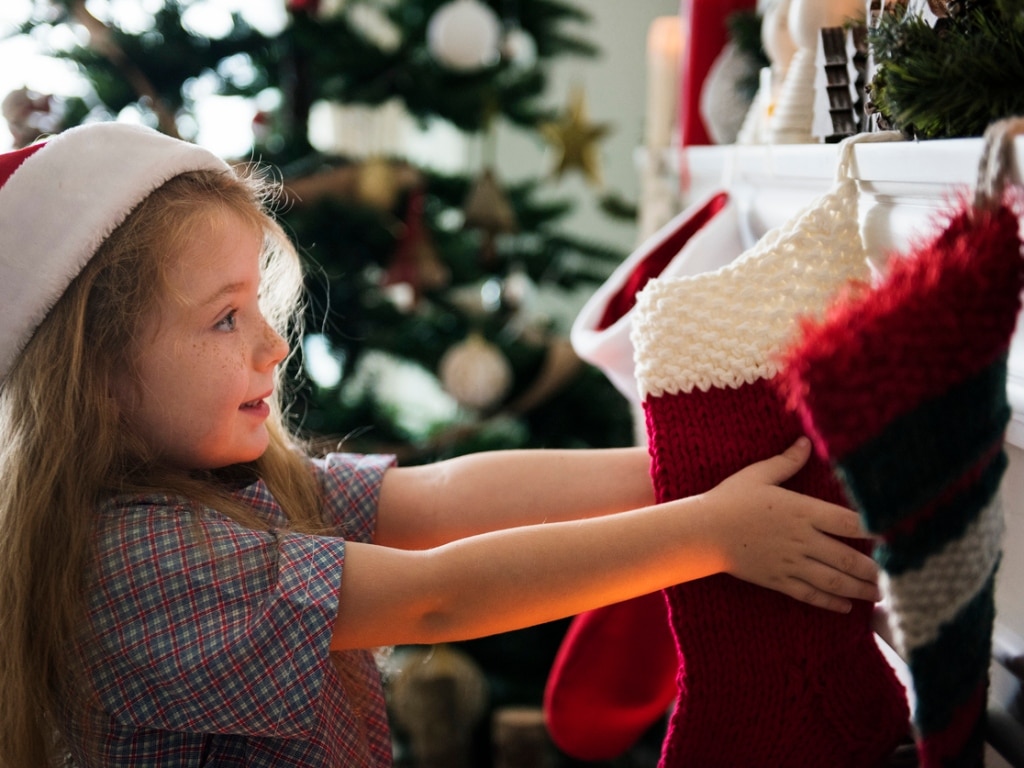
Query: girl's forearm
(508, 579)
(427, 506)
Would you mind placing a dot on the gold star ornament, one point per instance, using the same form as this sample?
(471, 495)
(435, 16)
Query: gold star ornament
(575, 139)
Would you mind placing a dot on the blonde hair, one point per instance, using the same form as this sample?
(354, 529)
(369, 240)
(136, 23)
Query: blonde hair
(64, 446)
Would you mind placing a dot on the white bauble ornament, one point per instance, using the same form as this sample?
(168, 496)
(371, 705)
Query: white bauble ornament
(475, 373)
(464, 35)
(519, 48)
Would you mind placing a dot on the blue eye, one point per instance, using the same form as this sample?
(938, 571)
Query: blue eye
(228, 323)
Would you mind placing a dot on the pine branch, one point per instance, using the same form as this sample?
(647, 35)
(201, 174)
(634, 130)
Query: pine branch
(955, 79)
(103, 42)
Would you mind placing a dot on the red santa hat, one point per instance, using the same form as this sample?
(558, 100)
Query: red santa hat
(60, 199)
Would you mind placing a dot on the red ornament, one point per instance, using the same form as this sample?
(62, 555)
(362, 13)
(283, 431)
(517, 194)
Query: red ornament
(311, 7)
(707, 32)
(416, 262)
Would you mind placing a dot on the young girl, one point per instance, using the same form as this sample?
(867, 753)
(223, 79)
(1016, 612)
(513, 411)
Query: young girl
(182, 585)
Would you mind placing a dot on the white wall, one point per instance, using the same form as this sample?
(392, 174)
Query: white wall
(615, 86)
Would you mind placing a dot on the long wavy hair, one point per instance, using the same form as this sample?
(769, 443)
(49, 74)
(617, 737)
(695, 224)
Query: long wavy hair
(64, 446)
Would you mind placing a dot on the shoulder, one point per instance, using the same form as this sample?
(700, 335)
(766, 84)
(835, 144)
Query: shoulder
(156, 524)
(350, 484)
(338, 469)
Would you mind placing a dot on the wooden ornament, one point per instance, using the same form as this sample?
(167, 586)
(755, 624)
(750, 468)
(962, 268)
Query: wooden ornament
(377, 184)
(438, 696)
(487, 208)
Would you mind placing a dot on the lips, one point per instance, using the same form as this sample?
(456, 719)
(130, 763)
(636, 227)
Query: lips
(259, 405)
(257, 409)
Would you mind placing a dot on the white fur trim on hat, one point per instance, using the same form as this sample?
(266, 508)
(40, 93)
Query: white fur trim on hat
(63, 201)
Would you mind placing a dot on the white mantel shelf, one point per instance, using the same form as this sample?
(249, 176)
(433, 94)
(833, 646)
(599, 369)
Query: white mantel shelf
(904, 186)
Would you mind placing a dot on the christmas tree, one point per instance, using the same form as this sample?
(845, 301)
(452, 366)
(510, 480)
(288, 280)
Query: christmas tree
(435, 295)
(437, 321)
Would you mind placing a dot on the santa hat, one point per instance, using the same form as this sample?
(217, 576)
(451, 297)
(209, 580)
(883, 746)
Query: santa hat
(60, 199)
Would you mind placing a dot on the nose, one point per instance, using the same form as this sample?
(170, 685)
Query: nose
(272, 347)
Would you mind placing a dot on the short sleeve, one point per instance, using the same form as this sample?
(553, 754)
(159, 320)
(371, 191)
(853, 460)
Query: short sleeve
(351, 485)
(200, 624)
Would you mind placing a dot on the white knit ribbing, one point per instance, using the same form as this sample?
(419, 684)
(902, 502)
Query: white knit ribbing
(926, 599)
(726, 328)
(718, 242)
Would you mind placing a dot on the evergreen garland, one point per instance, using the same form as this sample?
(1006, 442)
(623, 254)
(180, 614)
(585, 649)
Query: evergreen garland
(951, 80)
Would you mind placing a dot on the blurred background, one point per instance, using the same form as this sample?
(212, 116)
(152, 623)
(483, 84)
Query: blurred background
(460, 177)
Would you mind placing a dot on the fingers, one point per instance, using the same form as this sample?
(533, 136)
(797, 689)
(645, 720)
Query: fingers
(840, 521)
(807, 594)
(791, 544)
(839, 575)
(832, 590)
(780, 468)
(845, 559)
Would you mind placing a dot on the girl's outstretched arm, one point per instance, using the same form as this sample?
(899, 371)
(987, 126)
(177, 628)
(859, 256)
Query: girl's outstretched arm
(495, 582)
(428, 505)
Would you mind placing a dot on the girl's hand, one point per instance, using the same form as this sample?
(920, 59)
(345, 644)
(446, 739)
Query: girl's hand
(783, 540)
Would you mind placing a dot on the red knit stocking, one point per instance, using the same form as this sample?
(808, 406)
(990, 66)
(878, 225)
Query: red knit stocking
(763, 679)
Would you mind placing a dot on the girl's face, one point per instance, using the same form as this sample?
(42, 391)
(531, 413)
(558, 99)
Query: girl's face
(206, 356)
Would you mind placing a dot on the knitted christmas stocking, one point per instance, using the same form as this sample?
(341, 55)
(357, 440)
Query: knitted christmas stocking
(763, 679)
(903, 388)
(612, 679)
(705, 236)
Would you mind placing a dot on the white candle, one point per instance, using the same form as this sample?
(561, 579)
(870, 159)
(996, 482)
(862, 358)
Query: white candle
(664, 52)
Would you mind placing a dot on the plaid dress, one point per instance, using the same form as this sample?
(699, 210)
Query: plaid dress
(207, 642)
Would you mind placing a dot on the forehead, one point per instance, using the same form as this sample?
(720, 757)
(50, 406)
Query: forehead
(217, 249)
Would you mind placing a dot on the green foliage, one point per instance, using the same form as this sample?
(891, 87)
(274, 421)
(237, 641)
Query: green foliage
(955, 79)
(346, 67)
(335, 61)
(349, 246)
(167, 56)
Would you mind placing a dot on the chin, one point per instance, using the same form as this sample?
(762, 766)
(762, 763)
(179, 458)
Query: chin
(234, 458)
(250, 456)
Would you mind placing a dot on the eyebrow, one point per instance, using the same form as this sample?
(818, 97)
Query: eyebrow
(224, 290)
